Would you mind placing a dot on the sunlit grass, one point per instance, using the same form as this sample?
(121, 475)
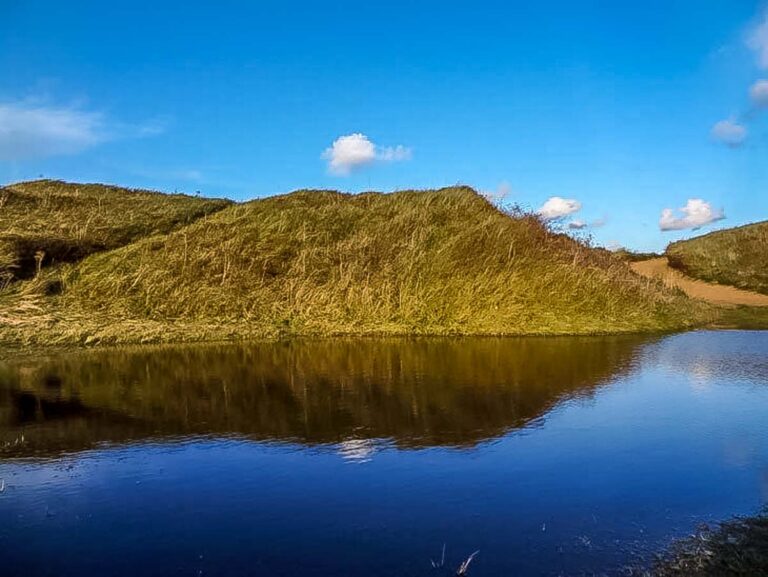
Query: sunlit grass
(322, 263)
(736, 256)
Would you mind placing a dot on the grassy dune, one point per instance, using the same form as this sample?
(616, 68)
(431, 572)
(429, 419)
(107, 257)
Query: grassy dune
(320, 263)
(46, 222)
(736, 256)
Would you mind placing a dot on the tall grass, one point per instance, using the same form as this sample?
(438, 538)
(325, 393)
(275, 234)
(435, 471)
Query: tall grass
(319, 262)
(46, 222)
(736, 256)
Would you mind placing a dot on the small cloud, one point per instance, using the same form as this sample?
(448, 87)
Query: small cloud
(353, 151)
(614, 246)
(578, 224)
(557, 207)
(759, 93)
(500, 194)
(394, 154)
(188, 174)
(696, 213)
(503, 190)
(152, 127)
(729, 132)
(758, 41)
(33, 131)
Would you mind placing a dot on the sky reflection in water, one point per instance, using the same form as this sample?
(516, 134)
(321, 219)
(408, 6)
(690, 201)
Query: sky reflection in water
(362, 457)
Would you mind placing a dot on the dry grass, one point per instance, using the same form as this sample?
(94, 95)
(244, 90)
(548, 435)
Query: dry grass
(738, 548)
(46, 222)
(632, 256)
(736, 256)
(319, 263)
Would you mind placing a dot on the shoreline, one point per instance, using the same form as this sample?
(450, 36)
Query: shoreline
(34, 348)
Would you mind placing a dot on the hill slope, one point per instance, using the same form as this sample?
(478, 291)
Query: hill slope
(735, 256)
(46, 222)
(318, 262)
(717, 294)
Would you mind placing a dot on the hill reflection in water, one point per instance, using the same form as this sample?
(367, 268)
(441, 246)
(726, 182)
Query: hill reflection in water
(415, 392)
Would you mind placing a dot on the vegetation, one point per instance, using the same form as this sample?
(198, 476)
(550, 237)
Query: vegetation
(320, 263)
(736, 256)
(46, 222)
(744, 318)
(738, 548)
(633, 256)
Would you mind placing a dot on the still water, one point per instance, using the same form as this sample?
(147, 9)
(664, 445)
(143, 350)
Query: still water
(559, 456)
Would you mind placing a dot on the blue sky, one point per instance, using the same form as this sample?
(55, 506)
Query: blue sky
(611, 107)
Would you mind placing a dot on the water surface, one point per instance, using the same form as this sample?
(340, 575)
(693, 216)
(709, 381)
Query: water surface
(556, 456)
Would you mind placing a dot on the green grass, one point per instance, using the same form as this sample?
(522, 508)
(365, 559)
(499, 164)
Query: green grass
(632, 256)
(735, 256)
(323, 263)
(742, 317)
(46, 222)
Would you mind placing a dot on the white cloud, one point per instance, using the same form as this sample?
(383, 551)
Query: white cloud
(503, 190)
(29, 131)
(729, 132)
(759, 93)
(354, 151)
(578, 224)
(557, 207)
(758, 41)
(695, 214)
(394, 154)
(500, 194)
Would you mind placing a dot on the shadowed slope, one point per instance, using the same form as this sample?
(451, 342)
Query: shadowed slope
(46, 222)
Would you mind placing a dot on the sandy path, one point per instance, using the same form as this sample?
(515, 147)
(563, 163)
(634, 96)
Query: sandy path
(698, 289)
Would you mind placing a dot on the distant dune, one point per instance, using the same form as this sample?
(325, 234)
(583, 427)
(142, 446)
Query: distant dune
(169, 268)
(735, 256)
(710, 292)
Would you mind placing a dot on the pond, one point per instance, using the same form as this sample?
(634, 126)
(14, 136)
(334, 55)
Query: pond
(551, 456)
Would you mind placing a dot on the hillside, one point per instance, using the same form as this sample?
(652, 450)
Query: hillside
(736, 256)
(716, 294)
(46, 222)
(317, 263)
